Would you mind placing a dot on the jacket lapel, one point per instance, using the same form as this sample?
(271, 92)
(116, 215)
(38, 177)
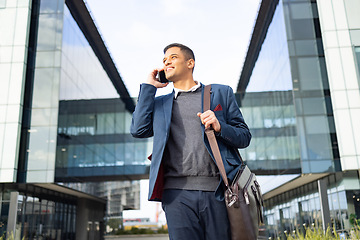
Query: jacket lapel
(168, 103)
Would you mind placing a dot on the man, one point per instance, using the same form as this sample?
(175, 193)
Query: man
(183, 172)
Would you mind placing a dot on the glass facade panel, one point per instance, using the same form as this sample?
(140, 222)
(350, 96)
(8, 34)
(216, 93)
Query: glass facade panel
(92, 134)
(311, 88)
(91, 138)
(90, 118)
(40, 159)
(301, 10)
(82, 75)
(14, 24)
(51, 27)
(319, 166)
(119, 154)
(309, 74)
(319, 146)
(274, 147)
(52, 6)
(291, 117)
(306, 47)
(119, 123)
(269, 75)
(268, 106)
(313, 106)
(316, 124)
(302, 28)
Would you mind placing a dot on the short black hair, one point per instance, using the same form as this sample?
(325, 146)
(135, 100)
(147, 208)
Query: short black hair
(188, 53)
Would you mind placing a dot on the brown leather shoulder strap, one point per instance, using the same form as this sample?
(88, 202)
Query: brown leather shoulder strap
(212, 139)
(207, 91)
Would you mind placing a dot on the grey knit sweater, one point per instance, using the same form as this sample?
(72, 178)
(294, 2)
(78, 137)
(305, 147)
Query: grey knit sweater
(187, 163)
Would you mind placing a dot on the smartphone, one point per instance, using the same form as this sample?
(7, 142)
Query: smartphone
(162, 77)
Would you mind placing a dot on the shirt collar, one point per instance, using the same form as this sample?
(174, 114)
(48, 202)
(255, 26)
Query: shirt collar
(193, 89)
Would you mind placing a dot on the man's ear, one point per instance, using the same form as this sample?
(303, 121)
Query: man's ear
(191, 63)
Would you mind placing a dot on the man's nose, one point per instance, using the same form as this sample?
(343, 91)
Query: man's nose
(167, 62)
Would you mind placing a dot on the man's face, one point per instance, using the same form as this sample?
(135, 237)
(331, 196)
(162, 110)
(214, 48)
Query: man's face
(175, 64)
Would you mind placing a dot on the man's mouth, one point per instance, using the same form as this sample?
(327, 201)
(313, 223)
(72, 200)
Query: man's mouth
(169, 68)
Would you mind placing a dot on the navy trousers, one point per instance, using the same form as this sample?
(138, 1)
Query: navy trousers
(195, 215)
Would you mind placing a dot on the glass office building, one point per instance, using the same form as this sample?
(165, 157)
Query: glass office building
(94, 142)
(64, 125)
(299, 93)
(120, 195)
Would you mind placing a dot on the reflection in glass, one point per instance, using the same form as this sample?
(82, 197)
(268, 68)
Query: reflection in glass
(48, 31)
(274, 146)
(89, 137)
(93, 123)
(290, 74)
(270, 75)
(82, 75)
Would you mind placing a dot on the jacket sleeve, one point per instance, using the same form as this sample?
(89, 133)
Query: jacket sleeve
(142, 119)
(234, 131)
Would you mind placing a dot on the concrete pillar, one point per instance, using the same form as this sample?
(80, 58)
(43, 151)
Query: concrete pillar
(324, 203)
(282, 225)
(82, 218)
(13, 208)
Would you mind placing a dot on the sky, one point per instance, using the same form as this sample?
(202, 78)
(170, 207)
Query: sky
(136, 32)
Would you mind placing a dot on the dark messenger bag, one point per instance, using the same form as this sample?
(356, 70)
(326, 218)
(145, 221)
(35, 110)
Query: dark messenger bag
(243, 197)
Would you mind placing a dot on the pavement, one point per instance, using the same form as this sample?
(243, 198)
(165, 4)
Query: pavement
(138, 237)
(147, 237)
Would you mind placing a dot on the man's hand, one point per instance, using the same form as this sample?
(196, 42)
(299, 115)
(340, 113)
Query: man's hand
(153, 80)
(209, 119)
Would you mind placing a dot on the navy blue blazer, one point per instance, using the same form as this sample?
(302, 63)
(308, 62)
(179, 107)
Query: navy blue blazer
(152, 118)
